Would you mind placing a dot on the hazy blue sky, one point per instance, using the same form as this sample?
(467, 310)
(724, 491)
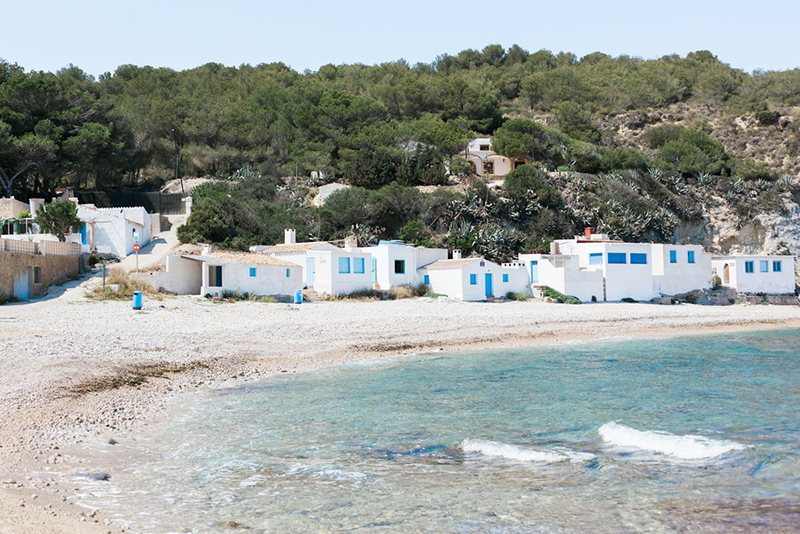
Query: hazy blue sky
(98, 36)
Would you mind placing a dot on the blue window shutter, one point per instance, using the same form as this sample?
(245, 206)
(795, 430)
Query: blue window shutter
(427, 280)
(473, 280)
(673, 256)
(638, 259)
(776, 266)
(344, 265)
(596, 259)
(617, 257)
(691, 256)
(505, 278)
(252, 271)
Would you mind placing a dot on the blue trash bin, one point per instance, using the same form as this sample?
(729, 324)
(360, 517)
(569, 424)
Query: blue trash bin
(298, 296)
(137, 300)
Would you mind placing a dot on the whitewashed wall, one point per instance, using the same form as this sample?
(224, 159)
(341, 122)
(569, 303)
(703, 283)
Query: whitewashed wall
(769, 282)
(681, 276)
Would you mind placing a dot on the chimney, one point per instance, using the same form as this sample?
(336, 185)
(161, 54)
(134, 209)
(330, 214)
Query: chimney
(587, 232)
(456, 254)
(553, 248)
(350, 242)
(34, 204)
(207, 250)
(289, 236)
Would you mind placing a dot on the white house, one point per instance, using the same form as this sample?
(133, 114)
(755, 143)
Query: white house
(627, 267)
(772, 275)
(466, 279)
(485, 161)
(211, 274)
(326, 268)
(113, 230)
(393, 263)
(680, 268)
(564, 274)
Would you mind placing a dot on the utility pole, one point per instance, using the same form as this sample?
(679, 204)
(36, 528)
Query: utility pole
(177, 161)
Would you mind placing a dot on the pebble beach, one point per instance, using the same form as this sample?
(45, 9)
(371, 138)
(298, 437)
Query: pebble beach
(76, 374)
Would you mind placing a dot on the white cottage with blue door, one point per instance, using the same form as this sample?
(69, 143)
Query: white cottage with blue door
(467, 279)
(113, 230)
(564, 274)
(215, 272)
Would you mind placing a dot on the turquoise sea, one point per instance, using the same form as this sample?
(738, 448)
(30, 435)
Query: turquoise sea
(697, 434)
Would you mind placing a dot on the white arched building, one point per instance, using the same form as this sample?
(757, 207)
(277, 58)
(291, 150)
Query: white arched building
(486, 162)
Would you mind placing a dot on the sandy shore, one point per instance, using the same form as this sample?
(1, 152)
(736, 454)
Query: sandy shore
(76, 373)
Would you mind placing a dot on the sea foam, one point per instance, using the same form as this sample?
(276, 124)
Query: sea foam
(522, 454)
(688, 447)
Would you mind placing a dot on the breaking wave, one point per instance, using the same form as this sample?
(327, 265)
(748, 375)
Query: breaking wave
(687, 447)
(522, 454)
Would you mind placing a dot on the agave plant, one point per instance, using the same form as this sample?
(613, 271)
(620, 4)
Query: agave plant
(655, 173)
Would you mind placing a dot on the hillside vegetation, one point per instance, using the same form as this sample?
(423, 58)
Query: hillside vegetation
(642, 149)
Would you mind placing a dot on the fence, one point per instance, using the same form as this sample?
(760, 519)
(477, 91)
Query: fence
(57, 248)
(153, 202)
(23, 247)
(46, 248)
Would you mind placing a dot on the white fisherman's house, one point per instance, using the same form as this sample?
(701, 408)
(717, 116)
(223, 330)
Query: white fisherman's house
(564, 274)
(472, 279)
(394, 263)
(680, 269)
(113, 230)
(626, 267)
(326, 267)
(770, 275)
(214, 272)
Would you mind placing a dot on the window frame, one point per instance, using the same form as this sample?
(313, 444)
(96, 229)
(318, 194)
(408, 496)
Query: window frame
(596, 258)
(673, 256)
(344, 265)
(763, 266)
(473, 279)
(401, 264)
(613, 258)
(777, 266)
(356, 263)
(749, 267)
(690, 256)
(638, 258)
(252, 272)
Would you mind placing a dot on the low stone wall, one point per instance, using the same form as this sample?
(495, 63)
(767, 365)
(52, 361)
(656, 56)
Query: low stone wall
(778, 300)
(53, 269)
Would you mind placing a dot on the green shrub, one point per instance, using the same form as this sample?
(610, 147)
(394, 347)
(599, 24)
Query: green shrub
(559, 297)
(716, 282)
(767, 118)
(630, 300)
(752, 170)
(4, 298)
(521, 297)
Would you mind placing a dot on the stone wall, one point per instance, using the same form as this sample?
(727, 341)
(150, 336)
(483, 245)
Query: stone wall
(54, 269)
(10, 208)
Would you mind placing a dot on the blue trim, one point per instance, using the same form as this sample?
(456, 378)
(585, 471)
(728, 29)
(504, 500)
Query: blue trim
(358, 265)
(748, 266)
(473, 280)
(690, 254)
(344, 265)
(596, 258)
(763, 266)
(426, 280)
(673, 256)
(638, 258)
(617, 257)
(252, 271)
(505, 278)
(776, 266)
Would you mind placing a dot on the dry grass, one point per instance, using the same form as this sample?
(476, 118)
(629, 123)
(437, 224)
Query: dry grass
(127, 285)
(132, 377)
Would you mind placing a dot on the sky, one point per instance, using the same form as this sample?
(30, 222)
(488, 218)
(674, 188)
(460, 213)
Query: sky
(99, 36)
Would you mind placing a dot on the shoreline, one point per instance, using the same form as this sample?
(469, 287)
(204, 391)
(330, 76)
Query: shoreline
(66, 343)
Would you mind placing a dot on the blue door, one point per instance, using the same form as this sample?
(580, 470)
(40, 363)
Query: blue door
(534, 272)
(310, 272)
(488, 278)
(374, 270)
(83, 234)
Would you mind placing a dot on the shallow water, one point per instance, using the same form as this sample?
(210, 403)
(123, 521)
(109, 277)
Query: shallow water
(696, 433)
